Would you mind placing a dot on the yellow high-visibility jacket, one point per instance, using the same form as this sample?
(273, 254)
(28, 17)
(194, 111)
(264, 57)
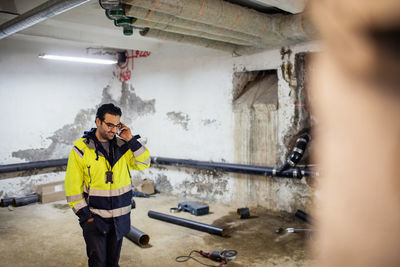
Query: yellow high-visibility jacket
(86, 188)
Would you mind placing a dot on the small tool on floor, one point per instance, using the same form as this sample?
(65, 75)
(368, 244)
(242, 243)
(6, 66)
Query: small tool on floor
(140, 194)
(192, 207)
(224, 256)
(295, 230)
(292, 230)
(174, 210)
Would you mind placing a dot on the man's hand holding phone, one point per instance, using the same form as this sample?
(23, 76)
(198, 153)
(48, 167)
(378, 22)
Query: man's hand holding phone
(125, 132)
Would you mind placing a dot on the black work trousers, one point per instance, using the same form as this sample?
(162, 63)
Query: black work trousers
(103, 250)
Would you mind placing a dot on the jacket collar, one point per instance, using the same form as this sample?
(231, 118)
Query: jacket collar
(93, 143)
(118, 146)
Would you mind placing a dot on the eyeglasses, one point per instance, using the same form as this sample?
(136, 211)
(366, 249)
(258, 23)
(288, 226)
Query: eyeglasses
(112, 126)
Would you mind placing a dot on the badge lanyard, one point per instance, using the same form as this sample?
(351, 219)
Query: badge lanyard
(109, 173)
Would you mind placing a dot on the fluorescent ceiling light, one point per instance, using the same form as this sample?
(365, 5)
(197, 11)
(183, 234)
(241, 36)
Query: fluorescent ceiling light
(79, 59)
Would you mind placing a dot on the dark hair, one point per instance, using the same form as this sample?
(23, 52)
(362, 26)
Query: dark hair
(107, 108)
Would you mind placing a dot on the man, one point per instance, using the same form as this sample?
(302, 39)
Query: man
(98, 184)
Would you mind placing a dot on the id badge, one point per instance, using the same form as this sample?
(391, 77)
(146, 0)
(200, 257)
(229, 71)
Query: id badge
(109, 177)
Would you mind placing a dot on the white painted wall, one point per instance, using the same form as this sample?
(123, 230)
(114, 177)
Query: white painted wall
(40, 98)
(195, 84)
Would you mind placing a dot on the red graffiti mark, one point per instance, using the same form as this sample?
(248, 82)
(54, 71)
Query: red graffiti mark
(126, 69)
(125, 75)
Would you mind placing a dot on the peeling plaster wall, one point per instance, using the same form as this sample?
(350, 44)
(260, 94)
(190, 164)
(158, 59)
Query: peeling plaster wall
(192, 87)
(193, 119)
(40, 99)
(47, 105)
(287, 125)
(179, 99)
(291, 118)
(194, 110)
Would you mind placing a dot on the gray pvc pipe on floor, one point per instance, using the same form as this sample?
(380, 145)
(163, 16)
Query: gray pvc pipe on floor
(188, 223)
(137, 236)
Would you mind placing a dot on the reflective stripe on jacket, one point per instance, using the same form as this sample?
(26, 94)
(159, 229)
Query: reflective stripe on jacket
(86, 189)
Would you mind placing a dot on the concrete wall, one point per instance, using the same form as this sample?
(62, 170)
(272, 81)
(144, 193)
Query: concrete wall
(179, 99)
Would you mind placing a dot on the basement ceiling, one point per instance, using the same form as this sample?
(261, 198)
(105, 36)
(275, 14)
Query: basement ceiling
(261, 6)
(87, 23)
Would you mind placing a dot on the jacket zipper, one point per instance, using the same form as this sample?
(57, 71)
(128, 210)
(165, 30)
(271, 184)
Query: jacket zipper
(90, 182)
(129, 172)
(90, 177)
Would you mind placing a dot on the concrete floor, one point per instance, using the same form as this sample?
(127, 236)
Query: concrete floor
(49, 235)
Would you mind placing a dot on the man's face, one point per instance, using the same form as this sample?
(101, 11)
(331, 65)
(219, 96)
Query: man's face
(108, 127)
